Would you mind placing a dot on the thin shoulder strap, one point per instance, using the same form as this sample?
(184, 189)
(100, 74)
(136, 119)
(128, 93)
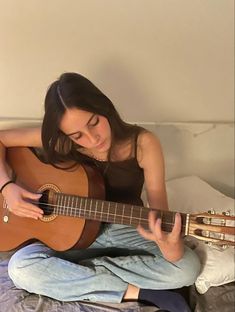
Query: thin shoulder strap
(136, 142)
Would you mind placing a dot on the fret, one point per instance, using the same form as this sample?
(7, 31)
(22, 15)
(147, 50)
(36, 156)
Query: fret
(85, 199)
(58, 203)
(58, 197)
(131, 214)
(101, 210)
(85, 207)
(69, 206)
(77, 205)
(123, 212)
(90, 208)
(73, 208)
(65, 206)
(115, 213)
(108, 214)
(72, 205)
(81, 207)
(62, 204)
(98, 210)
(96, 204)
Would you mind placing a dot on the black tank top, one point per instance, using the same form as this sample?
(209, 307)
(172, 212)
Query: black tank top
(123, 179)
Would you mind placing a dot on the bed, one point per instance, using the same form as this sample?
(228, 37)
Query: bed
(200, 174)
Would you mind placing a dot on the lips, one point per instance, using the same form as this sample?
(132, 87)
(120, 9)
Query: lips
(100, 145)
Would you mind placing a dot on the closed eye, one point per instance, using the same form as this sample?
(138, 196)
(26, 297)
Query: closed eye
(94, 121)
(78, 136)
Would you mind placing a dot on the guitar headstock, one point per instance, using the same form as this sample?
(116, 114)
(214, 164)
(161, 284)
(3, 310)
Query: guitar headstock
(214, 228)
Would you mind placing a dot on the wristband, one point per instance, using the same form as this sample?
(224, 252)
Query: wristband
(4, 185)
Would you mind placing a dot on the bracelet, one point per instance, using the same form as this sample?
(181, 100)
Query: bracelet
(4, 185)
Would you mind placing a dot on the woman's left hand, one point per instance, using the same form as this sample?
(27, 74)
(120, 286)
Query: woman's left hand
(170, 244)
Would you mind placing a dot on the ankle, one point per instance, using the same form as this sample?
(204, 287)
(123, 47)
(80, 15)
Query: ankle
(132, 293)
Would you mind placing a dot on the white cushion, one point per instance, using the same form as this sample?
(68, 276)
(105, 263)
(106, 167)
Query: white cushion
(193, 195)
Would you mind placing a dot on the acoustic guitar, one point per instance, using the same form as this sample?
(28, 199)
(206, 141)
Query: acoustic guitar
(74, 207)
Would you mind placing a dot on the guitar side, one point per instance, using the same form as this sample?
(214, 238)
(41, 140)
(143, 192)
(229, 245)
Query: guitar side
(58, 232)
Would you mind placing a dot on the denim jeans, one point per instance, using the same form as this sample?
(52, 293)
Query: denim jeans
(118, 257)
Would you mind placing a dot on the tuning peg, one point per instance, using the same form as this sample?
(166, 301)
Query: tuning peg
(224, 246)
(226, 213)
(212, 211)
(216, 246)
(206, 233)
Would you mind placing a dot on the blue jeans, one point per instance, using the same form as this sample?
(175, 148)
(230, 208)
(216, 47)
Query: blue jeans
(118, 257)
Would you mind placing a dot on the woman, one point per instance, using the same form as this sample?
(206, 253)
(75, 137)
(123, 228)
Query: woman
(81, 123)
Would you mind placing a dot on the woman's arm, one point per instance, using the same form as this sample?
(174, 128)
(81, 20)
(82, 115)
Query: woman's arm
(150, 158)
(14, 195)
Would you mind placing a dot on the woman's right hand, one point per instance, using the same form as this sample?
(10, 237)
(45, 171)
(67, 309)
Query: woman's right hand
(19, 201)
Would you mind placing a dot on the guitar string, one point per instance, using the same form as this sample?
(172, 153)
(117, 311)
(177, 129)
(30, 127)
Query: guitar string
(231, 217)
(104, 213)
(74, 208)
(167, 226)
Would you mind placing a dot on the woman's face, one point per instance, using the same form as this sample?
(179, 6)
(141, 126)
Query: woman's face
(87, 129)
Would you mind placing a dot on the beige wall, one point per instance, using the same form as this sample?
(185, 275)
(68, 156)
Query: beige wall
(158, 60)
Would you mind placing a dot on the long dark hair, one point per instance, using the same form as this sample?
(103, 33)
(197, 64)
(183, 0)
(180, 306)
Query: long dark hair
(73, 90)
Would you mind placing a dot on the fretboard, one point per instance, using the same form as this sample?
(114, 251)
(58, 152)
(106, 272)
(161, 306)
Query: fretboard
(111, 212)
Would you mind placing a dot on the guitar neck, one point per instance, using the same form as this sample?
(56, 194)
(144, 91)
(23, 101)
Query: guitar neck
(111, 212)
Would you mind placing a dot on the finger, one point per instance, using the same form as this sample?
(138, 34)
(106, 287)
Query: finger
(152, 220)
(145, 234)
(31, 206)
(28, 207)
(30, 195)
(155, 225)
(177, 226)
(21, 212)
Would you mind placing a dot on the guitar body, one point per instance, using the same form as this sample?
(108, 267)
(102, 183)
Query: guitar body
(57, 232)
(73, 198)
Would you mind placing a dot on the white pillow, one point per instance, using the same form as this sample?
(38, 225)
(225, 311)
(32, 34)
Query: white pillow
(193, 195)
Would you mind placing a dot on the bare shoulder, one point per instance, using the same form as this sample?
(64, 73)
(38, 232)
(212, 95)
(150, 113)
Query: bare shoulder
(21, 137)
(146, 137)
(148, 146)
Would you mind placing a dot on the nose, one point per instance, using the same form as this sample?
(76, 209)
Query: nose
(93, 137)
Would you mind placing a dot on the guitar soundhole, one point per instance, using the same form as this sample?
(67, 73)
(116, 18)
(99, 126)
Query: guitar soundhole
(44, 203)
